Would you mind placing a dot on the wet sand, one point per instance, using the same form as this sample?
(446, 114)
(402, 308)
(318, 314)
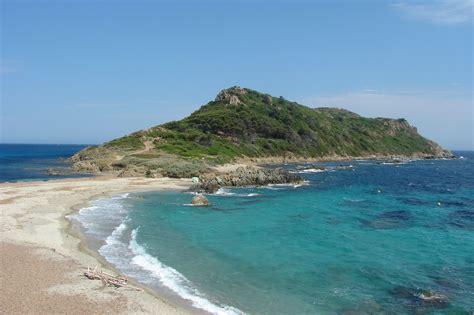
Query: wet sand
(42, 262)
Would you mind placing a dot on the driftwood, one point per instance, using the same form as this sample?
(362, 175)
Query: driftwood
(108, 279)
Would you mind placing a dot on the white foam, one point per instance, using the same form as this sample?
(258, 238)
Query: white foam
(174, 280)
(353, 200)
(225, 192)
(311, 170)
(114, 249)
(132, 258)
(271, 188)
(102, 215)
(117, 232)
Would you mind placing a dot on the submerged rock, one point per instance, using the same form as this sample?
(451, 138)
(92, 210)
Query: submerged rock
(389, 220)
(420, 298)
(200, 200)
(402, 215)
(365, 308)
(463, 219)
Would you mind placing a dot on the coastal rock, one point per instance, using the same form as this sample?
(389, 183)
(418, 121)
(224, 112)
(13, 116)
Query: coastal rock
(247, 176)
(200, 200)
(420, 298)
(310, 167)
(59, 171)
(86, 167)
(433, 299)
(132, 171)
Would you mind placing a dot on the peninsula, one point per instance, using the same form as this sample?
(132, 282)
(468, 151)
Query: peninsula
(243, 126)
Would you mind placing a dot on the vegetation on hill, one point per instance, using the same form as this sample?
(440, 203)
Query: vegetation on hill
(245, 123)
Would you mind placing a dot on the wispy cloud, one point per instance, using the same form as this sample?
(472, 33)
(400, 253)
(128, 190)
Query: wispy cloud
(443, 12)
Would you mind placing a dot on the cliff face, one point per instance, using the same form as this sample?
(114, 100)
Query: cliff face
(244, 123)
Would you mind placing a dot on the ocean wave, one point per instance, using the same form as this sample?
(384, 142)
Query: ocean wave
(311, 170)
(226, 192)
(116, 233)
(396, 163)
(102, 215)
(115, 249)
(174, 280)
(353, 200)
(284, 186)
(107, 220)
(272, 188)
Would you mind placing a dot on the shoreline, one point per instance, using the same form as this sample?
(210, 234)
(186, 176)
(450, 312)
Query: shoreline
(290, 159)
(34, 217)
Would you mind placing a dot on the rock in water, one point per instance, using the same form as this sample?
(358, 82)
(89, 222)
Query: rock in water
(200, 200)
(247, 176)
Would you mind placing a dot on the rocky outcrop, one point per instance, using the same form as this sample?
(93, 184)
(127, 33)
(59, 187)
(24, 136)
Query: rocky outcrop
(438, 151)
(200, 200)
(246, 176)
(230, 95)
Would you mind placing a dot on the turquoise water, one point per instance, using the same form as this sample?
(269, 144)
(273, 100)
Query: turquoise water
(352, 241)
(19, 162)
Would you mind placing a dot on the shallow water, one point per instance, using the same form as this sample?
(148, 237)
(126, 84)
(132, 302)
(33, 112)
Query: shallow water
(370, 239)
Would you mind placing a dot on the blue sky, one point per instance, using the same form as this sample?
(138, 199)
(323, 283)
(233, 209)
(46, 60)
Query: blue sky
(90, 71)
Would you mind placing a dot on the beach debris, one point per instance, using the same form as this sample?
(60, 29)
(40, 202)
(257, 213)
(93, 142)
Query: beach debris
(108, 279)
(200, 200)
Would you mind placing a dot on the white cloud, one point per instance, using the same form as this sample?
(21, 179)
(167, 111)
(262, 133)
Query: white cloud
(444, 12)
(447, 118)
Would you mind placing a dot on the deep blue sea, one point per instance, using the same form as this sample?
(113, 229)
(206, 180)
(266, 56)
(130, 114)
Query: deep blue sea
(373, 239)
(20, 162)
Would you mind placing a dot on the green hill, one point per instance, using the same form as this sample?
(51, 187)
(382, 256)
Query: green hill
(245, 123)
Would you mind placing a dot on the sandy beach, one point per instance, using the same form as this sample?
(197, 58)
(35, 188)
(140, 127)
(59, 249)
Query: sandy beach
(42, 262)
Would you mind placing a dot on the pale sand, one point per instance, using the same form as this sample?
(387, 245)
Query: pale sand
(41, 263)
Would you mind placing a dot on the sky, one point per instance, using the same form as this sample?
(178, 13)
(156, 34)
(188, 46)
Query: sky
(78, 71)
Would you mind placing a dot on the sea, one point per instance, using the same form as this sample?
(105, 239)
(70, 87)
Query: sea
(374, 238)
(369, 238)
(26, 162)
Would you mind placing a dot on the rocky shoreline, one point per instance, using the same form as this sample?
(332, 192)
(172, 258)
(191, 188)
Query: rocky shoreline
(211, 178)
(290, 158)
(246, 176)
